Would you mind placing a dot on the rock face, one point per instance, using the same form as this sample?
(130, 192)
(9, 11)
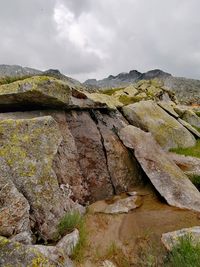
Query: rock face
(167, 178)
(167, 131)
(31, 169)
(14, 208)
(171, 239)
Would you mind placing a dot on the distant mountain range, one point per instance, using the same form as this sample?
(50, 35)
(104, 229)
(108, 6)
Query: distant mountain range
(187, 90)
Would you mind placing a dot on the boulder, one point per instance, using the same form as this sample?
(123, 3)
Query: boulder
(168, 106)
(191, 118)
(123, 168)
(109, 101)
(189, 165)
(171, 239)
(14, 208)
(168, 132)
(167, 178)
(194, 131)
(28, 147)
(91, 155)
(16, 254)
(44, 91)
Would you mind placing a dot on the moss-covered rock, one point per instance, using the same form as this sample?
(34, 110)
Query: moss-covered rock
(168, 132)
(28, 147)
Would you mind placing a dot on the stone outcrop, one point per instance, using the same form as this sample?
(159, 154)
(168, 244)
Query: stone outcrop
(167, 131)
(166, 177)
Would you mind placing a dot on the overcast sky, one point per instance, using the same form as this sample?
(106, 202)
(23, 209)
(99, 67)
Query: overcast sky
(95, 38)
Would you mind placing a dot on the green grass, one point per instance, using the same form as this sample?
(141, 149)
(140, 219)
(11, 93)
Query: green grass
(195, 179)
(69, 222)
(190, 151)
(198, 113)
(184, 254)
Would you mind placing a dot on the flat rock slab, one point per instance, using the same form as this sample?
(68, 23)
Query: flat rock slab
(190, 128)
(167, 131)
(168, 106)
(116, 205)
(164, 174)
(44, 91)
(171, 239)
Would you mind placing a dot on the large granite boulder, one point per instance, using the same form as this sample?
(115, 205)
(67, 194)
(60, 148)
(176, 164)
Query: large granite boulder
(28, 147)
(168, 132)
(123, 168)
(191, 117)
(164, 174)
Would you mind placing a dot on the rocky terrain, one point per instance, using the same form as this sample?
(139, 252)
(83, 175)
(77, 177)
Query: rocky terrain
(187, 90)
(124, 160)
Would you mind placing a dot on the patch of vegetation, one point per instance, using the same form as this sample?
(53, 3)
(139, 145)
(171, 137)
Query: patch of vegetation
(7, 79)
(184, 254)
(69, 222)
(189, 151)
(197, 128)
(198, 113)
(195, 179)
(126, 100)
(116, 255)
(110, 91)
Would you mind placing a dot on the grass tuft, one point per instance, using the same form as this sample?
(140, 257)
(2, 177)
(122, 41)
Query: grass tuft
(189, 151)
(185, 253)
(69, 222)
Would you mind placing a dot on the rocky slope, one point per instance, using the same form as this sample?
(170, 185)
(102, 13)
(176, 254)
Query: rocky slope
(187, 90)
(62, 149)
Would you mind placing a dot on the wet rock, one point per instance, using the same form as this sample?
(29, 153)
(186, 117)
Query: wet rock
(14, 208)
(189, 127)
(171, 239)
(189, 165)
(167, 131)
(164, 174)
(123, 168)
(91, 155)
(28, 147)
(118, 204)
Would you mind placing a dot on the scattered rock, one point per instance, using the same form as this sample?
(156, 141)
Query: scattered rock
(171, 239)
(189, 165)
(164, 174)
(167, 131)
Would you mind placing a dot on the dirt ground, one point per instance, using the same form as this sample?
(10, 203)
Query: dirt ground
(134, 239)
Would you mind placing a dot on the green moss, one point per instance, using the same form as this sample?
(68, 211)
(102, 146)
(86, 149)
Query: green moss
(126, 100)
(189, 151)
(111, 91)
(7, 79)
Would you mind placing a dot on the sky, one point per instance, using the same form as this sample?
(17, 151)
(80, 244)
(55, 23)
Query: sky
(95, 38)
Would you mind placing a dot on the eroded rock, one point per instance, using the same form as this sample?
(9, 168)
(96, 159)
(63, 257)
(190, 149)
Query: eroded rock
(164, 174)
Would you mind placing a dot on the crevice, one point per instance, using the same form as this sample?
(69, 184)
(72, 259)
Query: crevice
(94, 118)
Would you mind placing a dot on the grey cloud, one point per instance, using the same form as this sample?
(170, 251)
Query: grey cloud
(96, 38)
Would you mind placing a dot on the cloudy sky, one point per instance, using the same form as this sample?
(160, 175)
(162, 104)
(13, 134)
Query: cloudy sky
(95, 38)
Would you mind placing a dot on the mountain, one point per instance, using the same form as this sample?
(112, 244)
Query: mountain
(19, 71)
(187, 90)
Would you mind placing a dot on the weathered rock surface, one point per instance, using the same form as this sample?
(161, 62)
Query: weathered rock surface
(168, 106)
(123, 168)
(16, 254)
(108, 263)
(191, 118)
(109, 101)
(190, 128)
(118, 204)
(172, 238)
(168, 132)
(189, 165)
(68, 242)
(28, 147)
(167, 178)
(14, 208)
(91, 155)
